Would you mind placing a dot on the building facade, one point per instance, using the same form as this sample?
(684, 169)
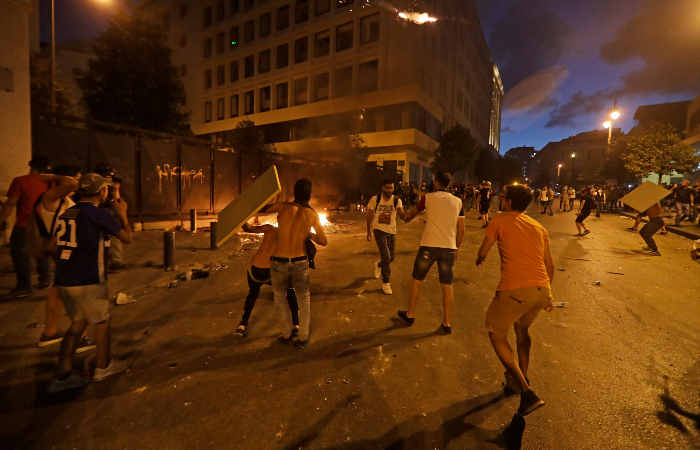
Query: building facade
(692, 131)
(674, 114)
(523, 155)
(312, 73)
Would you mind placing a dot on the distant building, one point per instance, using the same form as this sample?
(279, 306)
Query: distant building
(310, 74)
(692, 131)
(523, 155)
(674, 114)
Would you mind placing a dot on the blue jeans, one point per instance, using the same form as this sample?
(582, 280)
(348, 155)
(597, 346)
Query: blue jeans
(22, 262)
(295, 275)
(386, 242)
(427, 256)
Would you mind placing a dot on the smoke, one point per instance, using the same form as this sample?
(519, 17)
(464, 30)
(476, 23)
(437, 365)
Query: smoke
(534, 94)
(580, 104)
(507, 130)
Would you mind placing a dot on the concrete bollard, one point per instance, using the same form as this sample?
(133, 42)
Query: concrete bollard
(212, 231)
(168, 249)
(193, 221)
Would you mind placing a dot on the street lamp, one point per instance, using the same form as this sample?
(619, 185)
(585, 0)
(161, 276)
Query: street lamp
(559, 170)
(613, 114)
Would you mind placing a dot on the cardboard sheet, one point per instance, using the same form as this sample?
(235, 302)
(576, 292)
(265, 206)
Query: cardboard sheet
(247, 204)
(645, 196)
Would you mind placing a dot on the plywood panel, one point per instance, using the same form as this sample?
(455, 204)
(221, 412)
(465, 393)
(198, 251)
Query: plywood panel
(646, 195)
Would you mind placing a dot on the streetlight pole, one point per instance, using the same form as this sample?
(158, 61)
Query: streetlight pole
(612, 115)
(53, 59)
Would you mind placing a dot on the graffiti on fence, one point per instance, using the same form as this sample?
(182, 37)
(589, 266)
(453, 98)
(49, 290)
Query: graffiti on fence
(170, 173)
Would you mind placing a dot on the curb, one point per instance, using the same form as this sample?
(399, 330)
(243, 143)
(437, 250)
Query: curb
(669, 228)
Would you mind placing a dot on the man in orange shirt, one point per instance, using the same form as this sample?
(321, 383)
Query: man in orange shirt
(526, 275)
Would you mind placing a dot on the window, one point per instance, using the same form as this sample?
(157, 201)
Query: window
(282, 56)
(282, 95)
(220, 42)
(343, 37)
(248, 4)
(234, 71)
(282, 17)
(341, 3)
(207, 48)
(301, 91)
(183, 40)
(301, 50)
(166, 21)
(249, 102)
(264, 62)
(183, 11)
(183, 70)
(369, 29)
(220, 75)
(369, 76)
(220, 10)
(249, 66)
(323, 44)
(265, 24)
(234, 37)
(301, 11)
(207, 18)
(207, 79)
(343, 82)
(234, 105)
(235, 6)
(321, 7)
(221, 109)
(321, 82)
(207, 111)
(265, 99)
(249, 31)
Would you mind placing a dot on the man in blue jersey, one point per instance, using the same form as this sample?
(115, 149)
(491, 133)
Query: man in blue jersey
(82, 240)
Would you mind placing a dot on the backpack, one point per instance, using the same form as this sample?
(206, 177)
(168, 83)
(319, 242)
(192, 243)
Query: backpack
(379, 197)
(38, 237)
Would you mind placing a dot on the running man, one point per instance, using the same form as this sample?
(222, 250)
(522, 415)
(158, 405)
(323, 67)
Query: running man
(259, 274)
(81, 278)
(442, 236)
(527, 271)
(584, 210)
(290, 261)
(483, 199)
(381, 215)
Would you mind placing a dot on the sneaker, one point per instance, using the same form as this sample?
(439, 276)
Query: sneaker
(240, 331)
(377, 270)
(586, 232)
(404, 316)
(511, 387)
(115, 367)
(16, 293)
(529, 401)
(72, 382)
(295, 331)
(654, 253)
(45, 340)
(85, 344)
(386, 288)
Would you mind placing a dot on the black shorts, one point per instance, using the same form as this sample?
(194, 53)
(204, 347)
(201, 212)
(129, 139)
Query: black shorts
(484, 208)
(581, 217)
(427, 256)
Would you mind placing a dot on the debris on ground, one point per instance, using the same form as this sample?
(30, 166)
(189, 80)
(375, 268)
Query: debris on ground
(615, 273)
(331, 228)
(597, 283)
(217, 266)
(35, 325)
(123, 299)
(561, 304)
(172, 285)
(561, 269)
(173, 365)
(576, 259)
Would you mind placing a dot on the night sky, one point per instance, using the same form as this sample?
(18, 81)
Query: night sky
(563, 63)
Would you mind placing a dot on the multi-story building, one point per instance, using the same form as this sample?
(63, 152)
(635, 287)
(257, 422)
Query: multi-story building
(692, 130)
(674, 114)
(523, 155)
(311, 73)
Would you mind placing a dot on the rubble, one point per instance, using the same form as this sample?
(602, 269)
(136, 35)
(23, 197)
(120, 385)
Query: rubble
(123, 299)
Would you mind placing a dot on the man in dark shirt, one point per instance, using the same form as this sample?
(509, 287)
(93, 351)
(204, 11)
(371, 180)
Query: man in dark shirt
(469, 195)
(483, 199)
(685, 200)
(584, 210)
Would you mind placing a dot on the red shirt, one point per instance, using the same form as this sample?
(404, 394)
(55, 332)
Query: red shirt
(28, 188)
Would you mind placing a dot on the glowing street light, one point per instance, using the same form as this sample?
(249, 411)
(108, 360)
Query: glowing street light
(606, 124)
(613, 114)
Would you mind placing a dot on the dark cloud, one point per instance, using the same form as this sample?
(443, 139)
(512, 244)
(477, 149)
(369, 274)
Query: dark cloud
(544, 106)
(665, 37)
(525, 37)
(507, 130)
(535, 92)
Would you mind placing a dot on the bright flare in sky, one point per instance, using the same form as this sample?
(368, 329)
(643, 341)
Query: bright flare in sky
(418, 18)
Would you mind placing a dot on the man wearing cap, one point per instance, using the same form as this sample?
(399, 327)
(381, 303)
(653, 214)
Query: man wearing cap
(22, 195)
(116, 253)
(81, 278)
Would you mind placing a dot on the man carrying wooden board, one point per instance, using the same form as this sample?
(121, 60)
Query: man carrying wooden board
(290, 262)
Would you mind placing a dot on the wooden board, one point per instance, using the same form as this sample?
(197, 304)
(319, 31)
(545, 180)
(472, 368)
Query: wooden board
(645, 196)
(247, 204)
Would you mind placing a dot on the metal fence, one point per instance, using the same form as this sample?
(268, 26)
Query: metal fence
(166, 175)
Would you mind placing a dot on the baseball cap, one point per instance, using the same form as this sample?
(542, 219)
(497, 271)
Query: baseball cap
(91, 183)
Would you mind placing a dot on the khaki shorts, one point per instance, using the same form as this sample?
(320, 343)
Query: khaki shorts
(89, 302)
(519, 306)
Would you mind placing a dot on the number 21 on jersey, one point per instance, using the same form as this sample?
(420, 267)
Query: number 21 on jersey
(66, 227)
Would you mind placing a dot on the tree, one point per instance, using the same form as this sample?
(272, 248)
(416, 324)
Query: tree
(132, 80)
(541, 180)
(485, 166)
(244, 136)
(457, 151)
(509, 170)
(659, 151)
(40, 91)
(360, 152)
(614, 165)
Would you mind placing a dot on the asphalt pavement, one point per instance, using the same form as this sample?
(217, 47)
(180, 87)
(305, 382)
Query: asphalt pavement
(618, 366)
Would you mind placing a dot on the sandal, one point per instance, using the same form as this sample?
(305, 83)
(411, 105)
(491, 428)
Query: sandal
(240, 331)
(586, 232)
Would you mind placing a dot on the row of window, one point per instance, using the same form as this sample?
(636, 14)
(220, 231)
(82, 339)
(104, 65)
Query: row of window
(301, 9)
(343, 86)
(369, 32)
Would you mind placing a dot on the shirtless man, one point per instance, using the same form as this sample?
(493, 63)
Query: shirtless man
(290, 263)
(259, 274)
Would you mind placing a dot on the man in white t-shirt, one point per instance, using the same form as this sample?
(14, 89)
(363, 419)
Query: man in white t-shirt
(381, 215)
(442, 236)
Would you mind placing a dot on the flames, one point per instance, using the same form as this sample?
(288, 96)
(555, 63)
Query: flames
(415, 17)
(324, 219)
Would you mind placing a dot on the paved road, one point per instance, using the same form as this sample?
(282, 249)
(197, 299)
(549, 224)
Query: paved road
(603, 364)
